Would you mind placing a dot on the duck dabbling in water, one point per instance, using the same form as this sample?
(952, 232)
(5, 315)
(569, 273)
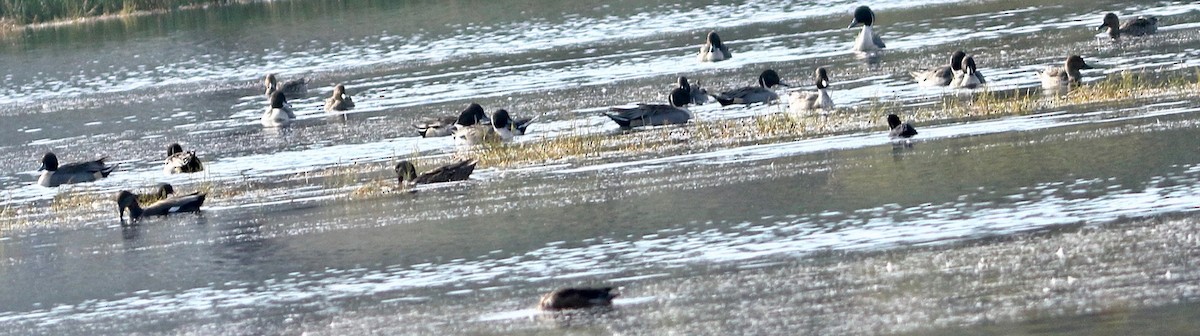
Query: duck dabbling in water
(762, 93)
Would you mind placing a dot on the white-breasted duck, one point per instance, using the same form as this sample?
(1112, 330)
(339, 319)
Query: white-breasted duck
(54, 174)
(867, 40)
(713, 49)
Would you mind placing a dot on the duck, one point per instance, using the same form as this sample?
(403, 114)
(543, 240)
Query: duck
(469, 130)
(820, 99)
(577, 298)
(942, 75)
(339, 101)
(713, 50)
(968, 76)
(507, 127)
(179, 161)
(127, 200)
(1067, 74)
(280, 113)
(653, 114)
(697, 95)
(867, 40)
(444, 126)
(1141, 26)
(54, 175)
(406, 172)
(753, 94)
(898, 129)
(293, 88)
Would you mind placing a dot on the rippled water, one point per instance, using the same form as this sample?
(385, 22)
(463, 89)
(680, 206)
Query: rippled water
(1044, 224)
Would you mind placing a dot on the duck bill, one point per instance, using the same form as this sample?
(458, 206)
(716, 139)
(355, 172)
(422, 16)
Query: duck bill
(1102, 26)
(42, 167)
(852, 23)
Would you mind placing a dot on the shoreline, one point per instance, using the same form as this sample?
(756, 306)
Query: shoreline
(10, 25)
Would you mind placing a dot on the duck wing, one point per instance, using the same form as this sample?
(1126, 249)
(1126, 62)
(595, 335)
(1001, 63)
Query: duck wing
(86, 167)
(648, 115)
(176, 204)
(457, 171)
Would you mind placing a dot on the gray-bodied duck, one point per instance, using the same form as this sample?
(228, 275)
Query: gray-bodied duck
(867, 40)
(762, 93)
(577, 298)
(654, 114)
(280, 113)
(507, 127)
(180, 161)
(127, 200)
(293, 88)
(444, 126)
(339, 101)
(968, 76)
(713, 49)
(1067, 74)
(54, 175)
(947, 74)
(800, 101)
(1141, 26)
(470, 131)
(406, 172)
(899, 130)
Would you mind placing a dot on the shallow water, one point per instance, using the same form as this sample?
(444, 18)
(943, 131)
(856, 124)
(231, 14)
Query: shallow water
(1043, 224)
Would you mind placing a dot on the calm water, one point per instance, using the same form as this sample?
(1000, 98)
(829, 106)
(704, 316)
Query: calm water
(1046, 224)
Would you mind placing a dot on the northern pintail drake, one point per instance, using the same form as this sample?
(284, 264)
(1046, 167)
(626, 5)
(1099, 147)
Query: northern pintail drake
(469, 130)
(696, 94)
(444, 126)
(1141, 26)
(179, 161)
(279, 113)
(653, 114)
(811, 100)
(293, 88)
(762, 93)
(127, 200)
(713, 49)
(942, 75)
(968, 76)
(458, 171)
(339, 101)
(54, 175)
(899, 130)
(1067, 74)
(867, 40)
(507, 127)
(577, 298)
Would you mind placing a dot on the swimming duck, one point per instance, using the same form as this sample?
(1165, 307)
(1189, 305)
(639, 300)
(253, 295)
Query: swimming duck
(458, 171)
(293, 88)
(753, 94)
(1068, 73)
(653, 114)
(942, 75)
(339, 101)
(820, 99)
(279, 113)
(697, 95)
(506, 127)
(713, 50)
(968, 76)
(174, 204)
(444, 126)
(577, 298)
(867, 39)
(899, 130)
(1140, 26)
(179, 161)
(470, 131)
(54, 175)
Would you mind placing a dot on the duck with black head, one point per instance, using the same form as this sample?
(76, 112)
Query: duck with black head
(54, 175)
(762, 93)
(868, 40)
(713, 49)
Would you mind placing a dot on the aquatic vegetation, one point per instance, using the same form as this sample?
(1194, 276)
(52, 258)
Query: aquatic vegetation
(22, 12)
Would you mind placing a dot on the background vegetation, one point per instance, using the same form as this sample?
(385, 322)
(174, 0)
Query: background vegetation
(24, 12)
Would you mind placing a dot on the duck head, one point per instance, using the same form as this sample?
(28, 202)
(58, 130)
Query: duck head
(278, 100)
(683, 83)
(174, 148)
(862, 15)
(769, 78)
(714, 40)
(501, 119)
(128, 200)
(968, 65)
(1075, 62)
(893, 121)
(405, 171)
(822, 78)
(1112, 23)
(956, 60)
(339, 91)
(472, 115)
(164, 190)
(49, 162)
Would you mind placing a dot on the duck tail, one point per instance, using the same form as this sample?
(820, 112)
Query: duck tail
(521, 125)
(724, 101)
(616, 117)
(108, 170)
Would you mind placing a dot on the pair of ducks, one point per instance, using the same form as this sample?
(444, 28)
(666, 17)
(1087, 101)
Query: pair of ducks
(473, 126)
(684, 93)
(280, 113)
(55, 174)
(713, 50)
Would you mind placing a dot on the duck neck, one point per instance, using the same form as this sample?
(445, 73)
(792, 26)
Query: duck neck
(135, 211)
